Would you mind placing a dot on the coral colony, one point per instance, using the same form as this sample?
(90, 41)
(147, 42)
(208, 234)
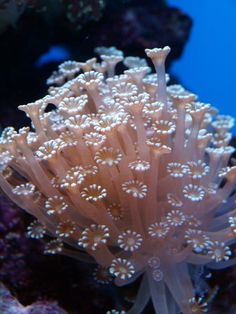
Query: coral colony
(129, 174)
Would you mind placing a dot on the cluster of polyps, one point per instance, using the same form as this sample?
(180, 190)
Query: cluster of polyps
(128, 173)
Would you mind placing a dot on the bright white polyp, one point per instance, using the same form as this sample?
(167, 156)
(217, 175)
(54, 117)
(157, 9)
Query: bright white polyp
(122, 268)
(129, 240)
(131, 175)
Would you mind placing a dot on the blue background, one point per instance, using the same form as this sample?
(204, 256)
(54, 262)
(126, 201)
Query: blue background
(208, 65)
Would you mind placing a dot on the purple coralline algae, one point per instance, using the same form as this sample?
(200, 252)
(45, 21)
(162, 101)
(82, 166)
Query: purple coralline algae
(14, 246)
(10, 305)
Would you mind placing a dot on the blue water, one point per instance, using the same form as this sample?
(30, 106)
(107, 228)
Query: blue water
(56, 53)
(208, 65)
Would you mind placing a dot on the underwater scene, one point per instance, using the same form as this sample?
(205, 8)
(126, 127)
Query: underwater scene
(117, 157)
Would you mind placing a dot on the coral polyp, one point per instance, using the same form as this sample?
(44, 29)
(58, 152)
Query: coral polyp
(128, 173)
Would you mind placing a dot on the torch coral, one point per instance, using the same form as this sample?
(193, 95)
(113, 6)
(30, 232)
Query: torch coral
(129, 174)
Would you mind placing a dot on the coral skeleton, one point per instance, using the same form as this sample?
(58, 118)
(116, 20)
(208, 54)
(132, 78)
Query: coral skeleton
(129, 174)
